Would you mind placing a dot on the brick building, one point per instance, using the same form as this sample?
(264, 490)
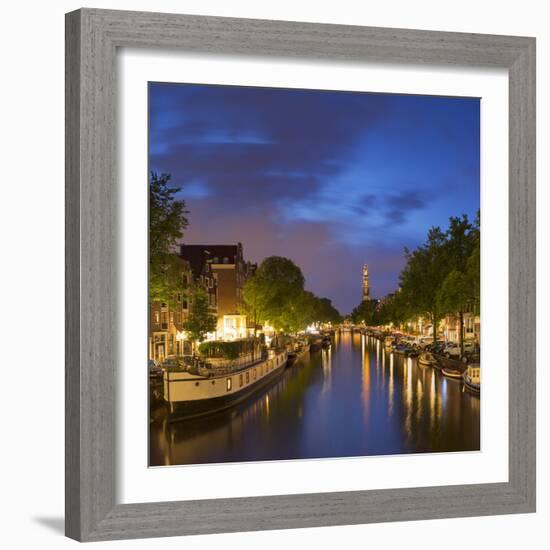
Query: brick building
(166, 334)
(230, 272)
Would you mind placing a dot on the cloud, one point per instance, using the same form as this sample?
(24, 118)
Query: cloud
(330, 179)
(251, 144)
(400, 205)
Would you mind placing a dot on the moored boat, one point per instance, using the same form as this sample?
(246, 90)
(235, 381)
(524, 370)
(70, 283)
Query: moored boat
(291, 358)
(388, 341)
(400, 349)
(451, 372)
(297, 353)
(190, 393)
(472, 378)
(315, 343)
(427, 359)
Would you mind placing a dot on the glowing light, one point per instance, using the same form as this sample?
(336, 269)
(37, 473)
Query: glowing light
(234, 327)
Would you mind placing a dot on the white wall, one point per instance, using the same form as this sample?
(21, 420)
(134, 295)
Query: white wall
(31, 493)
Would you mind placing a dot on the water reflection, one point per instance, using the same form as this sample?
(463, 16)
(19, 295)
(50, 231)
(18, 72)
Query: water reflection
(354, 399)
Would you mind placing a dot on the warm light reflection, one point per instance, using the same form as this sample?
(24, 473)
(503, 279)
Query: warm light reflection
(432, 401)
(407, 382)
(326, 362)
(365, 358)
(419, 399)
(321, 403)
(390, 387)
(443, 390)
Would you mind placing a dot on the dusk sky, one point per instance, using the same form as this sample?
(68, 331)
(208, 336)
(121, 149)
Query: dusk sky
(331, 180)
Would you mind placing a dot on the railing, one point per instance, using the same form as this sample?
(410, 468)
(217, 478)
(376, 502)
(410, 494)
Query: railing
(221, 362)
(230, 366)
(218, 366)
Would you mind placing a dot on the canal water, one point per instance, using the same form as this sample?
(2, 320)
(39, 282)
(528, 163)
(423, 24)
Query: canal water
(354, 399)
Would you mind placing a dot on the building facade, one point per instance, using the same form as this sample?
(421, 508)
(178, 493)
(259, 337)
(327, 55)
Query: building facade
(166, 319)
(230, 272)
(472, 327)
(166, 322)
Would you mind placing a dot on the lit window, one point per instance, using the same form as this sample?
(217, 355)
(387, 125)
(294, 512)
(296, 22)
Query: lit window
(228, 384)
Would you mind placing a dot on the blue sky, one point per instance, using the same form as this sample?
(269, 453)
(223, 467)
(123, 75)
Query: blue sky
(331, 180)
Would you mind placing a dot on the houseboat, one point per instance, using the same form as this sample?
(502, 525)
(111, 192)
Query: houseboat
(218, 384)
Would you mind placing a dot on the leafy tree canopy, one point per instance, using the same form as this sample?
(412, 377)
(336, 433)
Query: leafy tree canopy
(199, 321)
(166, 224)
(440, 277)
(276, 295)
(277, 283)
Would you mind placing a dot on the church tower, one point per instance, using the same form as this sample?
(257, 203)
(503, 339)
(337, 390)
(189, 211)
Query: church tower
(366, 289)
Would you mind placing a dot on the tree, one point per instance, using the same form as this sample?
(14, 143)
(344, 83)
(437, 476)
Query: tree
(424, 273)
(275, 294)
(298, 313)
(473, 275)
(271, 291)
(365, 312)
(460, 288)
(393, 309)
(168, 280)
(325, 312)
(166, 224)
(199, 321)
(442, 276)
(452, 296)
(253, 306)
(473, 271)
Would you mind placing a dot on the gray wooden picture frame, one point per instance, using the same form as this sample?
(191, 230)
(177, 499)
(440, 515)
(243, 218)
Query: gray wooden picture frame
(92, 39)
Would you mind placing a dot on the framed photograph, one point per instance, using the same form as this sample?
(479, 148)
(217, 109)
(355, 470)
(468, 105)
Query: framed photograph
(291, 251)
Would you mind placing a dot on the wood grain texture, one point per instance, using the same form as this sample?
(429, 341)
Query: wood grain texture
(92, 37)
(72, 277)
(522, 274)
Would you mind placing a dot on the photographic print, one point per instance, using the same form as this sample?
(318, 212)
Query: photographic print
(314, 274)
